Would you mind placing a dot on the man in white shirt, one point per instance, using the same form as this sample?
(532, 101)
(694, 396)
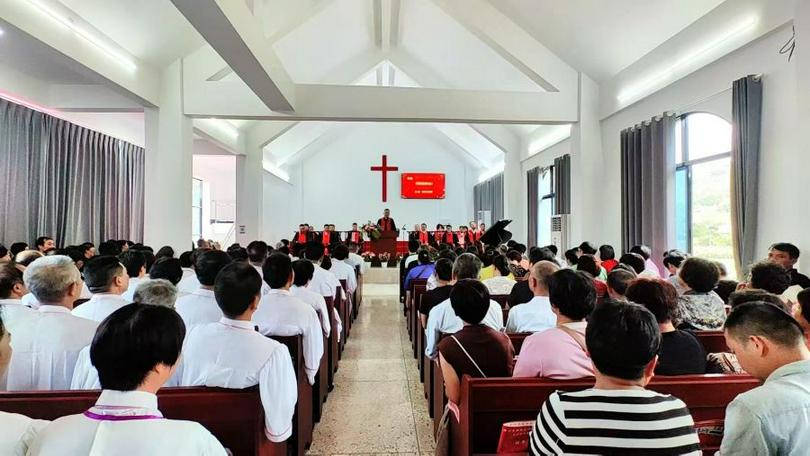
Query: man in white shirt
(257, 252)
(231, 354)
(135, 264)
(12, 289)
(535, 315)
(442, 319)
(302, 274)
(47, 344)
(107, 279)
(356, 260)
(281, 314)
(323, 282)
(189, 281)
(342, 269)
(200, 306)
(126, 419)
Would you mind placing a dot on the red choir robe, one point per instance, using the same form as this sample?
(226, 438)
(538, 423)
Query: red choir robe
(462, 238)
(449, 237)
(423, 238)
(354, 236)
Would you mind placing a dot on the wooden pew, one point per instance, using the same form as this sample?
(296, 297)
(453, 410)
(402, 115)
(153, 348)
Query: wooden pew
(342, 308)
(713, 341)
(358, 293)
(517, 340)
(349, 307)
(503, 300)
(234, 416)
(332, 351)
(302, 420)
(419, 289)
(488, 403)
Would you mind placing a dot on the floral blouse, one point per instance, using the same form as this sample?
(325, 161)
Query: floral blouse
(702, 311)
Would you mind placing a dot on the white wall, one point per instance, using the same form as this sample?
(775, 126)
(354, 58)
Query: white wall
(338, 186)
(782, 216)
(278, 222)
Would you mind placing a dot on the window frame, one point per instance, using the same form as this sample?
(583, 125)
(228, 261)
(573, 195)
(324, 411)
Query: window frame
(196, 206)
(551, 195)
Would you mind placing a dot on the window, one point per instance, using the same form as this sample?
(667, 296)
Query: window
(196, 209)
(545, 198)
(703, 187)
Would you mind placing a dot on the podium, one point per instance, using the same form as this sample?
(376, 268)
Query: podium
(386, 243)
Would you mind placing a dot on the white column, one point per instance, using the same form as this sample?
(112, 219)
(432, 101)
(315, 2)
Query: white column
(249, 195)
(167, 192)
(512, 202)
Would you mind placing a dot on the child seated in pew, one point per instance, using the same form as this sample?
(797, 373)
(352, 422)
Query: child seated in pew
(232, 354)
(618, 415)
(135, 352)
(17, 432)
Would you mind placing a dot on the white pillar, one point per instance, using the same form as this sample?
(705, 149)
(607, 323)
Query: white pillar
(512, 202)
(167, 184)
(249, 196)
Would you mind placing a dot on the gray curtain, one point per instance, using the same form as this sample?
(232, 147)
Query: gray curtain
(648, 189)
(66, 181)
(488, 196)
(533, 180)
(562, 185)
(746, 114)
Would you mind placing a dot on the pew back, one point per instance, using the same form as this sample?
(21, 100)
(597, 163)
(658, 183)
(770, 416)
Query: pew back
(712, 341)
(302, 420)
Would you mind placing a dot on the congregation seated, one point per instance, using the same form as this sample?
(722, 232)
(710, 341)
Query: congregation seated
(323, 282)
(443, 319)
(423, 270)
(443, 274)
(560, 352)
(281, 314)
(257, 252)
(535, 315)
(650, 268)
(156, 292)
(745, 295)
(607, 257)
(786, 255)
(107, 279)
(587, 263)
(167, 268)
(502, 280)
(476, 349)
(135, 352)
(199, 306)
(673, 260)
(515, 259)
(623, 340)
(189, 282)
(342, 269)
(618, 280)
(699, 305)
(231, 354)
(135, 264)
(768, 276)
(521, 293)
(12, 290)
(681, 353)
(47, 344)
(773, 418)
(636, 262)
(801, 312)
(446, 253)
(302, 272)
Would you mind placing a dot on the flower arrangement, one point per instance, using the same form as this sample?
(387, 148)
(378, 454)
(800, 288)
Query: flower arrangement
(372, 230)
(369, 256)
(385, 257)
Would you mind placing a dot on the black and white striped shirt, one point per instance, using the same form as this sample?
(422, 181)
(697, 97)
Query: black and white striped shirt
(626, 422)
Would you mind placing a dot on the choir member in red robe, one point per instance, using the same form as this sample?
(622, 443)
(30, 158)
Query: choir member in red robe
(449, 235)
(302, 236)
(463, 236)
(438, 236)
(355, 235)
(424, 236)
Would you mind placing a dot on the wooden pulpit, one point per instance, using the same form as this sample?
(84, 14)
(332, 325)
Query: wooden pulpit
(387, 242)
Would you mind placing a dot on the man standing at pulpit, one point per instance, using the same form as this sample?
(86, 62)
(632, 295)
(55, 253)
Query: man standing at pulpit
(386, 223)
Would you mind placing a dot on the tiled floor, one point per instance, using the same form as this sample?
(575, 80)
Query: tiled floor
(377, 406)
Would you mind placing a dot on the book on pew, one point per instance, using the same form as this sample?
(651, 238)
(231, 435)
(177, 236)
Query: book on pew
(515, 437)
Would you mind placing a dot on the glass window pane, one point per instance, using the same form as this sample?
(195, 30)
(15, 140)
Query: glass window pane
(544, 184)
(679, 141)
(544, 214)
(708, 135)
(711, 212)
(196, 223)
(682, 209)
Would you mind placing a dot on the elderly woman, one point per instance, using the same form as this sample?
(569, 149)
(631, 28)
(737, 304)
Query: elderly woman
(477, 350)
(503, 280)
(701, 308)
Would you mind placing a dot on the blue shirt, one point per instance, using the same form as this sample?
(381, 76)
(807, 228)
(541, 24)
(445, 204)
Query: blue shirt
(773, 418)
(423, 271)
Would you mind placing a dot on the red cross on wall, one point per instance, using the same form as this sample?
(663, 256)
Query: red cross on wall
(385, 169)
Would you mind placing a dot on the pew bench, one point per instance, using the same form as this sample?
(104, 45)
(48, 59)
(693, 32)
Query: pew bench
(302, 419)
(235, 417)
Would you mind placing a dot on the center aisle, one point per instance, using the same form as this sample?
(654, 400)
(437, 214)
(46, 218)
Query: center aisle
(378, 405)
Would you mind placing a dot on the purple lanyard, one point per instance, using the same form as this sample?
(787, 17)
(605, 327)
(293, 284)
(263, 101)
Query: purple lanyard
(98, 417)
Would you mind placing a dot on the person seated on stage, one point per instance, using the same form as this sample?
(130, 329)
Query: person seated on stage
(326, 237)
(681, 352)
(560, 352)
(772, 418)
(503, 280)
(302, 273)
(231, 354)
(443, 274)
(301, 237)
(617, 282)
(786, 255)
(438, 236)
(463, 237)
(521, 293)
(135, 352)
(107, 279)
(423, 236)
(281, 314)
(535, 315)
(623, 341)
(386, 223)
(449, 236)
(475, 349)
(700, 306)
(423, 270)
(200, 306)
(323, 282)
(443, 320)
(355, 236)
(342, 269)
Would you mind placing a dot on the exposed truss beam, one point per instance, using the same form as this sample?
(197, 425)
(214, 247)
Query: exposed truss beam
(232, 30)
(385, 20)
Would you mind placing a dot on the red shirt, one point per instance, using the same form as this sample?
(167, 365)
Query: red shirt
(326, 237)
(448, 237)
(609, 264)
(302, 238)
(423, 237)
(356, 237)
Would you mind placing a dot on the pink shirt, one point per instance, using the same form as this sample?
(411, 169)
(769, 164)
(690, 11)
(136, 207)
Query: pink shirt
(554, 354)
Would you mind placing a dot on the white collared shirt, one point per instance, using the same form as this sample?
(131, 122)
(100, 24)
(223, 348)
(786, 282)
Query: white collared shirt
(100, 306)
(198, 308)
(344, 271)
(31, 301)
(189, 282)
(318, 304)
(323, 282)
(45, 349)
(85, 375)
(499, 285)
(231, 354)
(265, 287)
(80, 434)
(533, 316)
(13, 311)
(17, 432)
(129, 295)
(442, 319)
(356, 260)
(281, 314)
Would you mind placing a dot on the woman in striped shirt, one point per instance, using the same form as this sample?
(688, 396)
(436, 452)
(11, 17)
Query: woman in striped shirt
(618, 415)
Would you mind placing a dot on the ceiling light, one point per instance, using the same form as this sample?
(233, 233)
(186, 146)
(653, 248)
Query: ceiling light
(62, 16)
(275, 170)
(704, 53)
(554, 135)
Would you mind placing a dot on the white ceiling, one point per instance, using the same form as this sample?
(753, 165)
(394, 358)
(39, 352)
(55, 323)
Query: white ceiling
(601, 37)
